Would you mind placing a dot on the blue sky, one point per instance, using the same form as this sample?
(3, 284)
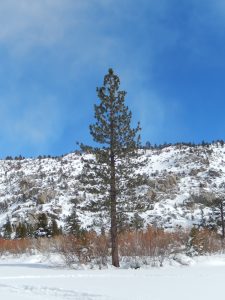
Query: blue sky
(169, 54)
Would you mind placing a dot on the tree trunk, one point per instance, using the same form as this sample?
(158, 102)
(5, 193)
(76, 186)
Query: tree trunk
(114, 237)
(222, 219)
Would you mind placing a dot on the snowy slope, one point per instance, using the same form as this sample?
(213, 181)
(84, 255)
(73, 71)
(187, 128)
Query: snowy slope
(177, 174)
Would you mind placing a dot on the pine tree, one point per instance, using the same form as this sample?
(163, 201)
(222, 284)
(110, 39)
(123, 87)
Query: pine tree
(21, 231)
(7, 229)
(55, 230)
(217, 205)
(42, 228)
(111, 174)
(72, 225)
(137, 222)
(30, 230)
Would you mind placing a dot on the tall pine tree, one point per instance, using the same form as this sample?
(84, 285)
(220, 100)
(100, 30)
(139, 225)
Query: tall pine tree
(111, 171)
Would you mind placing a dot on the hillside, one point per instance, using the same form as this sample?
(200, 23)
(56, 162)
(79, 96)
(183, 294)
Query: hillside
(181, 180)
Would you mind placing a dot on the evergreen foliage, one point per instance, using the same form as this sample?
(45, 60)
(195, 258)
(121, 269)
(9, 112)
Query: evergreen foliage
(218, 213)
(30, 230)
(137, 222)
(110, 171)
(216, 204)
(55, 230)
(123, 222)
(42, 228)
(21, 231)
(73, 223)
(7, 229)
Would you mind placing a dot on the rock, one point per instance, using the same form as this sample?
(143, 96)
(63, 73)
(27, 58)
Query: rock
(46, 196)
(194, 172)
(204, 198)
(203, 184)
(172, 180)
(214, 173)
(151, 194)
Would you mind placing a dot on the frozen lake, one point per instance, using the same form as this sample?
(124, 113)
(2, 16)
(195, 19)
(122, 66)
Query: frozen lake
(32, 281)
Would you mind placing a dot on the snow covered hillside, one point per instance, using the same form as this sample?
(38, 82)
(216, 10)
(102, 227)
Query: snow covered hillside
(181, 178)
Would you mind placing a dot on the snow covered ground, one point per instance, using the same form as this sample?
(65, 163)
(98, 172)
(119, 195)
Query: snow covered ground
(26, 279)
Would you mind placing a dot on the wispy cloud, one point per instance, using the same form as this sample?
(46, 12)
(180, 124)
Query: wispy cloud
(24, 24)
(88, 37)
(34, 125)
(76, 42)
(158, 116)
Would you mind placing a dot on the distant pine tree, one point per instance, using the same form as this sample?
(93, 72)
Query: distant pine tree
(218, 211)
(21, 231)
(30, 230)
(42, 228)
(55, 230)
(112, 174)
(72, 224)
(7, 229)
(137, 222)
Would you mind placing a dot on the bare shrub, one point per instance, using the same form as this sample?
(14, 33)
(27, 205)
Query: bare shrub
(149, 246)
(43, 245)
(15, 246)
(205, 241)
(153, 243)
(101, 248)
(73, 249)
(85, 249)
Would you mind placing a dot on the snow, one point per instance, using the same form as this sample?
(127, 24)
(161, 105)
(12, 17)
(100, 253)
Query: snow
(32, 278)
(31, 186)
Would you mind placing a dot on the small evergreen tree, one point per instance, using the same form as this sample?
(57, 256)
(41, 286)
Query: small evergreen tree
(21, 231)
(112, 174)
(30, 230)
(55, 230)
(137, 222)
(123, 222)
(42, 228)
(218, 211)
(7, 229)
(72, 225)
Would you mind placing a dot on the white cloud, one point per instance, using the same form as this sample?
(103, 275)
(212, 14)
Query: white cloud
(25, 24)
(39, 123)
(31, 125)
(90, 34)
(88, 24)
(156, 114)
